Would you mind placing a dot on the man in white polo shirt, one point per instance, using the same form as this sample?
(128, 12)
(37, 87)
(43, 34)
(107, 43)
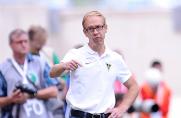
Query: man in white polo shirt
(93, 69)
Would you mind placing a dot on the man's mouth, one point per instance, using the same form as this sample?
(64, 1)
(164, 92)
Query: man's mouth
(97, 38)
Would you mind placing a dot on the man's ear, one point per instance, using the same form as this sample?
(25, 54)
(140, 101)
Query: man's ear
(105, 28)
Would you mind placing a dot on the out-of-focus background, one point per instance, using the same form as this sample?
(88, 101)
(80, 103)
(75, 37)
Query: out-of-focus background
(142, 29)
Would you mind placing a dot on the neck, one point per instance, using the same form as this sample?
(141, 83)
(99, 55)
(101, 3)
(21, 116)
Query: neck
(34, 51)
(100, 49)
(20, 59)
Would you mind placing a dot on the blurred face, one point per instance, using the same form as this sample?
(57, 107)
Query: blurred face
(159, 67)
(95, 30)
(20, 44)
(39, 40)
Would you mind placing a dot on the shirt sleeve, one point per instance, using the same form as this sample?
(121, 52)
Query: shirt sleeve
(123, 71)
(71, 55)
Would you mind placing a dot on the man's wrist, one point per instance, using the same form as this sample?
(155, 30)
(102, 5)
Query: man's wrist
(9, 100)
(123, 108)
(34, 95)
(64, 66)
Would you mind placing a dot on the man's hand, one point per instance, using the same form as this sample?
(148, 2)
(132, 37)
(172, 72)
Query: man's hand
(58, 69)
(18, 97)
(71, 65)
(115, 113)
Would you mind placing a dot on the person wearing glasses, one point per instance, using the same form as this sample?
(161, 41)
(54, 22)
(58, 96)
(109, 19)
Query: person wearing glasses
(23, 80)
(93, 70)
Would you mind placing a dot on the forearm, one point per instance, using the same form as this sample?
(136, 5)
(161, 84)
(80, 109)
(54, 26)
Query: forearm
(129, 97)
(57, 70)
(4, 101)
(47, 93)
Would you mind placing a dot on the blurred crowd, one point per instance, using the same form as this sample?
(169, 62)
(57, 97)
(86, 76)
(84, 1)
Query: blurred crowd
(154, 97)
(26, 86)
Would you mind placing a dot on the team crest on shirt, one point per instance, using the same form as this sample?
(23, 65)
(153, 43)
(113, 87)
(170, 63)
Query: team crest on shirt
(32, 77)
(108, 66)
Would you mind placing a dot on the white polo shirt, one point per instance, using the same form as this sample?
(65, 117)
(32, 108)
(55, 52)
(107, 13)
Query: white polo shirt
(92, 85)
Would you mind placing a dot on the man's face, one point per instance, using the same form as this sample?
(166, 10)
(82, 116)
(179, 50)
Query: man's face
(39, 40)
(95, 29)
(20, 44)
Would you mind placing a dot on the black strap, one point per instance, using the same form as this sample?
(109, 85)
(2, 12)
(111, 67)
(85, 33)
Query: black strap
(18, 111)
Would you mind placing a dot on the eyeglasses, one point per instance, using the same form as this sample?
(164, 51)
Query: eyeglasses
(20, 42)
(97, 28)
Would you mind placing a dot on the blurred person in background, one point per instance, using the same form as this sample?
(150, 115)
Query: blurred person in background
(156, 89)
(93, 70)
(3, 93)
(119, 87)
(120, 90)
(24, 92)
(38, 38)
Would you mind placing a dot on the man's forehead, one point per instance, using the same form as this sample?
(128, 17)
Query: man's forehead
(21, 37)
(90, 18)
(94, 21)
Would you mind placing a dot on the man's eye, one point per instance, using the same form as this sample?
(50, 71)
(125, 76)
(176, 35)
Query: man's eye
(98, 27)
(90, 29)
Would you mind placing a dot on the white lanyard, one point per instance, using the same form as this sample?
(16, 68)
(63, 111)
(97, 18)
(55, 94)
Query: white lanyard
(21, 71)
(30, 105)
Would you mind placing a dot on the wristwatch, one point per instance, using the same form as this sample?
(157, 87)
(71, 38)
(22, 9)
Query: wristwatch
(33, 95)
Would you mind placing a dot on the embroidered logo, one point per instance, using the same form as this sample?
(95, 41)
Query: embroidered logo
(108, 66)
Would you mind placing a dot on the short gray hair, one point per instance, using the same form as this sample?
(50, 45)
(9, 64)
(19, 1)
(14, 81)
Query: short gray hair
(16, 33)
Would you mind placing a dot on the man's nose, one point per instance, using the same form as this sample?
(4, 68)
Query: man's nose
(95, 31)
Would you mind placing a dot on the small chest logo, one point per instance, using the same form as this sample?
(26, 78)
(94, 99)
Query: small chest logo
(108, 66)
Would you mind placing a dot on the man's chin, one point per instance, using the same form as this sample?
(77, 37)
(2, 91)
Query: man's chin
(98, 40)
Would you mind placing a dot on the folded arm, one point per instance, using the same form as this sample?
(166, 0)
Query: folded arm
(47, 93)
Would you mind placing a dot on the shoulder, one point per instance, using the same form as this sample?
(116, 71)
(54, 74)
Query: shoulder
(81, 49)
(73, 53)
(48, 49)
(6, 62)
(36, 61)
(5, 66)
(34, 58)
